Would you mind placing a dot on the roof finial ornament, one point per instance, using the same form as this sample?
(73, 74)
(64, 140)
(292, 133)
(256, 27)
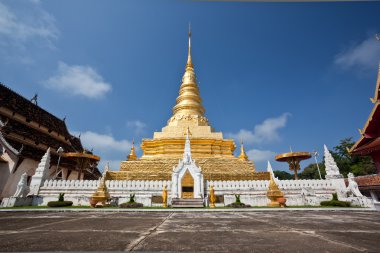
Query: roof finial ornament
(189, 61)
(34, 99)
(377, 90)
(243, 155)
(132, 155)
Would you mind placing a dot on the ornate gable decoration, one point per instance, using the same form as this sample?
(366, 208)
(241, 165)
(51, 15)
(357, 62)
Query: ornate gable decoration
(187, 162)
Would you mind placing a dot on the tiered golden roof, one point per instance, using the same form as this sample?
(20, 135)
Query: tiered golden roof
(211, 152)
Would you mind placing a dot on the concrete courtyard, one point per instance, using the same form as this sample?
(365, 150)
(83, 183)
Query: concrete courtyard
(259, 231)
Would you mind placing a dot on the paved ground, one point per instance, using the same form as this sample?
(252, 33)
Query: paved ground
(285, 231)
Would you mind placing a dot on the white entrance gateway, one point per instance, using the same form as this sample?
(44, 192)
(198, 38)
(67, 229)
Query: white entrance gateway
(187, 177)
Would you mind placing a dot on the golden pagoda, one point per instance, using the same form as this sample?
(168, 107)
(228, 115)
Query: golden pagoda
(211, 152)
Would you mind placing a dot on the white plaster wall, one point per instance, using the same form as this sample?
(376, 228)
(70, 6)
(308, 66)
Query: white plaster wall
(9, 182)
(4, 174)
(29, 166)
(250, 199)
(80, 191)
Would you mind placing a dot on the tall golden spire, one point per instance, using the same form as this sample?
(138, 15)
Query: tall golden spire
(189, 63)
(243, 155)
(189, 103)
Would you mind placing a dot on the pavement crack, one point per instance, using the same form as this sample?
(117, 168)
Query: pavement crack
(51, 223)
(145, 235)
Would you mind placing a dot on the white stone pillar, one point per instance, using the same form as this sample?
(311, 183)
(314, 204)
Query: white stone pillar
(199, 186)
(174, 185)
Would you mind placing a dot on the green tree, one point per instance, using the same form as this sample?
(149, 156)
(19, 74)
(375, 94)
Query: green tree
(283, 175)
(311, 171)
(359, 165)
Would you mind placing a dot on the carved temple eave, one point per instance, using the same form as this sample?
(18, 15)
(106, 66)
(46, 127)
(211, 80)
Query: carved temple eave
(35, 125)
(9, 147)
(369, 130)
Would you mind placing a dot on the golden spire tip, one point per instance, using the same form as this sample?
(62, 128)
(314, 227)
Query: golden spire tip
(189, 61)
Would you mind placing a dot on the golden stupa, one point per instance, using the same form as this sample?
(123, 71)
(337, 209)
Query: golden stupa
(213, 154)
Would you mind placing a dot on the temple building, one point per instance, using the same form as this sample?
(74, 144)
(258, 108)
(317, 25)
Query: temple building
(369, 145)
(26, 132)
(212, 153)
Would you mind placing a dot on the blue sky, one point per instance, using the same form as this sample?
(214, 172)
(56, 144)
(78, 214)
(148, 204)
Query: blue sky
(274, 74)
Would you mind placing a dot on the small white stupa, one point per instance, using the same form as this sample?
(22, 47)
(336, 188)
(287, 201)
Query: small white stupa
(332, 170)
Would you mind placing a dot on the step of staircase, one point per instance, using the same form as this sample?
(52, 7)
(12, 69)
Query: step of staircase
(187, 203)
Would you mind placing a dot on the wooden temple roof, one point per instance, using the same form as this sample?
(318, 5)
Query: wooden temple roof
(370, 139)
(32, 112)
(28, 128)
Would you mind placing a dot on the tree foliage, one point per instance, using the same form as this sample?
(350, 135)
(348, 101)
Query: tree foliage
(283, 175)
(359, 165)
(311, 171)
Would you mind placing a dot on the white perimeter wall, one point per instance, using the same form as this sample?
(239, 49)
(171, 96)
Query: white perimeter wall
(252, 192)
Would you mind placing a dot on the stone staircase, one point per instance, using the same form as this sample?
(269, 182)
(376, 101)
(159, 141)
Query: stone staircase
(187, 203)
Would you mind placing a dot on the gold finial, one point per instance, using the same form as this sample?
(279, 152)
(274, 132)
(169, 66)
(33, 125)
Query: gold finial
(132, 156)
(243, 155)
(189, 63)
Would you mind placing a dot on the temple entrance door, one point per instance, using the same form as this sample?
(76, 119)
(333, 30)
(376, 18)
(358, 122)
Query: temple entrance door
(187, 185)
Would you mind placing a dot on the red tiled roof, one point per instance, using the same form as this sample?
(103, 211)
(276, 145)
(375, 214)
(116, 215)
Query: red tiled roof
(370, 180)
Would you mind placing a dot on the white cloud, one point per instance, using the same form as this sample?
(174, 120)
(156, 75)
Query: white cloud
(364, 55)
(104, 142)
(267, 131)
(137, 126)
(20, 27)
(260, 155)
(78, 80)
(110, 150)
